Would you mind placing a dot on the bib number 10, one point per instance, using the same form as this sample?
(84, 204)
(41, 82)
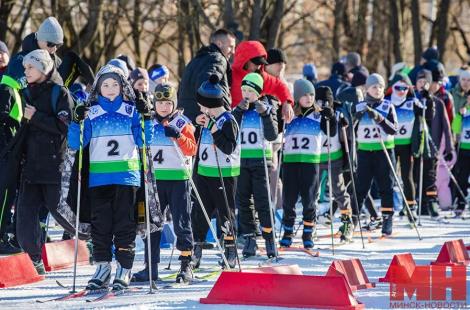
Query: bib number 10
(250, 137)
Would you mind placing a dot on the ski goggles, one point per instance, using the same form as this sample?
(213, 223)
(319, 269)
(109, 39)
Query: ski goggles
(400, 88)
(164, 95)
(51, 45)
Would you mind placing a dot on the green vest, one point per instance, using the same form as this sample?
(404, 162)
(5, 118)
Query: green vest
(16, 112)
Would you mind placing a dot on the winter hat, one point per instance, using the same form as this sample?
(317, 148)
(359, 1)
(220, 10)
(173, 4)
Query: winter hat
(165, 92)
(4, 48)
(276, 55)
(309, 71)
(120, 64)
(302, 87)
(424, 74)
(128, 60)
(41, 60)
(126, 88)
(254, 82)
(259, 60)
(359, 78)
(157, 71)
(210, 94)
(437, 72)
(431, 53)
(109, 75)
(324, 93)
(338, 68)
(396, 68)
(137, 74)
(400, 77)
(50, 31)
(353, 59)
(374, 79)
(464, 74)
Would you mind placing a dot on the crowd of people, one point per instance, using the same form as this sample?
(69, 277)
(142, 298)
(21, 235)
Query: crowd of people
(235, 141)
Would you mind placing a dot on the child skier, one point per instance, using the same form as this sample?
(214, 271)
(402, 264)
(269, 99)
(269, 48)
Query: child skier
(461, 127)
(377, 123)
(172, 168)
(301, 161)
(340, 193)
(139, 79)
(112, 128)
(257, 119)
(44, 147)
(219, 152)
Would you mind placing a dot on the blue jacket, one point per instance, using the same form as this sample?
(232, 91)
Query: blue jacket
(113, 130)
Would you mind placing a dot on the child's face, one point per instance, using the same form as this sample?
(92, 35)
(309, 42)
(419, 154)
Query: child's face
(110, 89)
(249, 95)
(33, 75)
(212, 112)
(164, 108)
(376, 91)
(307, 100)
(142, 85)
(421, 84)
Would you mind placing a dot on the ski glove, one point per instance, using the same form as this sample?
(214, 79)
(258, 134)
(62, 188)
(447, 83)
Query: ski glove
(376, 116)
(80, 112)
(261, 108)
(142, 104)
(171, 132)
(327, 113)
(243, 105)
(343, 121)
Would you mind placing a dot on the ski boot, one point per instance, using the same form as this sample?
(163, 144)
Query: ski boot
(307, 238)
(143, 275)
(373, 224)
(100, 279)
(346, 229)
(39, 265)
(249, 249)
(185, 274)
(387, 225)
(7, 245)
(122, 278)
(286, 240)
(197, 254)
(270, 244)
(230, 253)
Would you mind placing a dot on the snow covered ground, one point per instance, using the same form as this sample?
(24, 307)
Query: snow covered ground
(375, 258)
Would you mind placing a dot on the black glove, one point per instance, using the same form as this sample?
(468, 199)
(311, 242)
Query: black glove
(376, 116)
(425, 94)
(261, 108)
(80, 112)
(343, 121)
(448, 156)
(243, 105)
(142, 104)
(171, 132)
(327, 113)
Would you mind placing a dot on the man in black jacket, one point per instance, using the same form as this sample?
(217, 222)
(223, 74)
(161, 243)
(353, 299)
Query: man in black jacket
(209, 60)
(46, 124)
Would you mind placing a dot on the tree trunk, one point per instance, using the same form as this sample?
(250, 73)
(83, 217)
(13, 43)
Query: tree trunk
(395, 30)
(338, 14)
(228, 13)
(275, 24)
(360, 37)
(5, 12)
(255, 21)
(416, 22)
(443, 27)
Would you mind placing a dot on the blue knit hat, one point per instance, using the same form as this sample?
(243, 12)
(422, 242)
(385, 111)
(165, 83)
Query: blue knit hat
(210, 93)
(158, 71)
(310, 71)
(120, 64)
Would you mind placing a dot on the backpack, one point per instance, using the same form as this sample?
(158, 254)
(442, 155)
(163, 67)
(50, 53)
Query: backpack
(54, 96)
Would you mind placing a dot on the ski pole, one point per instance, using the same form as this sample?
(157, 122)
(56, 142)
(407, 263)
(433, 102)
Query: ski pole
(421, 168)
(271, 211)
(147, 206)
(227, 205)
(204, 211)
(77, 216)
(353, 184)
(330, 187)
(171, 257)
(278, 173)
(397, 180)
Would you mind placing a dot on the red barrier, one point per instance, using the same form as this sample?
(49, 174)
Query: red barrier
(353, 272)
(283, 290)
(401, 264)
(281, 269)
(60, 254)
(17, 270)
(453, 253)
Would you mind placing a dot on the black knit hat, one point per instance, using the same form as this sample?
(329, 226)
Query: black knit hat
(359, 78)
(338, 68)
(276, 55)
(324, 93)
(210, 93)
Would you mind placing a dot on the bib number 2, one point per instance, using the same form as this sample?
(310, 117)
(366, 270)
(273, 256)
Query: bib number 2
(114, 145)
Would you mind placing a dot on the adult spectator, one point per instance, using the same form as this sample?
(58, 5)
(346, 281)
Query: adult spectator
(309, 71)
(429, 60)
(460, 90)
(250, 56)
(4, 58)
(336, 82)
(277, 61)
(209, 60)
(353, 64)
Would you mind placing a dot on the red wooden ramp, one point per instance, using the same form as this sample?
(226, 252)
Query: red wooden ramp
(60, 254)
(282, 290)
(353, 271)
(17, 270)
(453, 253)
(401, 267)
